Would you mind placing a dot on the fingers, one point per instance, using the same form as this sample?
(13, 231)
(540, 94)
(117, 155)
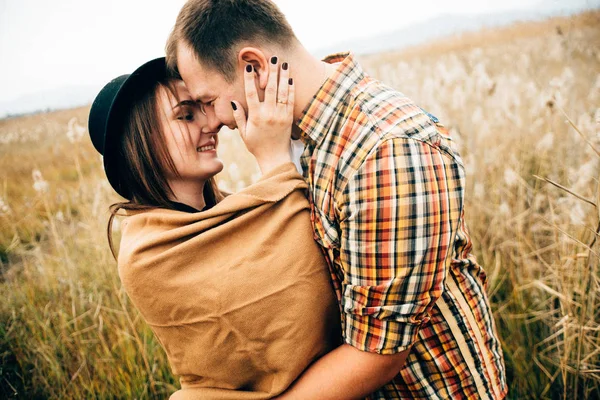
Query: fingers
(291, 95)
(240, 118)
(250, 87)
(271, 89)
(277, 92)
(282, 91)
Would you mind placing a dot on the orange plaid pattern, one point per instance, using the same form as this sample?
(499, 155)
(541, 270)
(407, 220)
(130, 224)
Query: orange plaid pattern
(387, 200)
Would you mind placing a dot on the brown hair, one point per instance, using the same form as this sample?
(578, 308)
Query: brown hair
(144, 160)
(214, 28)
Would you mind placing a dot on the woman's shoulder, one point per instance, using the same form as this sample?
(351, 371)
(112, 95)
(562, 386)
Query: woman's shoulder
(139, 223)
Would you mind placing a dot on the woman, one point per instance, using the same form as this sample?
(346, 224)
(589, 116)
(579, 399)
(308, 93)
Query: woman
(235, 289)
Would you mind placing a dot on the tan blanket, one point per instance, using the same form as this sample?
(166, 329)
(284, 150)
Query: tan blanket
(239, 295)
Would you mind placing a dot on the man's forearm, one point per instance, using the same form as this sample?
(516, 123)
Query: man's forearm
(345, 373)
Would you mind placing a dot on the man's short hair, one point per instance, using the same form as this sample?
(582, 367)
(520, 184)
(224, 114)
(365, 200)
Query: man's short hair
(214, 29)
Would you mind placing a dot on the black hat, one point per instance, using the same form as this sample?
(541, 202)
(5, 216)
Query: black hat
(107, 112)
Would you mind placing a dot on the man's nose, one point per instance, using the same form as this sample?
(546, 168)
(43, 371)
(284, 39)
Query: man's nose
(213, 123)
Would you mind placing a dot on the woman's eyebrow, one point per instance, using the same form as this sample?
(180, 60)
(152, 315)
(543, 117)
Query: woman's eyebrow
(185, 103)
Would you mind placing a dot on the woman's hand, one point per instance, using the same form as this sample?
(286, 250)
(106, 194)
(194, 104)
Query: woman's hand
(267, 129)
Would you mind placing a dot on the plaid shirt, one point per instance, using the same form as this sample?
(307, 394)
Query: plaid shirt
(387, 200)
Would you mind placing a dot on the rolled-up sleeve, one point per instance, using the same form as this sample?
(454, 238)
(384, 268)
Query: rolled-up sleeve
(395, 234)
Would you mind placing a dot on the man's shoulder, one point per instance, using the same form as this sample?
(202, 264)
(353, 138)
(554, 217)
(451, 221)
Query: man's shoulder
(388, 113)
(379, 115)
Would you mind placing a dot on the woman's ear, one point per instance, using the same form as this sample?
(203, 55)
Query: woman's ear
(258, 60)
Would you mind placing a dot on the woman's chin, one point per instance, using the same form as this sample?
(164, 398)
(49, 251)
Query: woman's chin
(216, 166)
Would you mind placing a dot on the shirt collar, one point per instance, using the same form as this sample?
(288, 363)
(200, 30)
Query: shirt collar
(330, 98)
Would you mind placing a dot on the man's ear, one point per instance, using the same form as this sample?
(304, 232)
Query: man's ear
(259, 60)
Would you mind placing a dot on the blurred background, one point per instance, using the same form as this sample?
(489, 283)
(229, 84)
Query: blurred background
(59, 54)
(517, 83)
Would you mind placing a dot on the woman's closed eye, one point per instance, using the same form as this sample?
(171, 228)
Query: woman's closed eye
(189, 117)
(186, 113)
(186, 116)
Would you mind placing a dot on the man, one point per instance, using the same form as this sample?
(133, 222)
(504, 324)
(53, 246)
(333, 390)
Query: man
(387, 201)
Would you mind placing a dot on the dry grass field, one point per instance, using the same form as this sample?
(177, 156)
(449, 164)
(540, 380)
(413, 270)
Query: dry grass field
(523, 103)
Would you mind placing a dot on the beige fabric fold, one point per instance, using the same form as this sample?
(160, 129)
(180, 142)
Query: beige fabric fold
(240, 295)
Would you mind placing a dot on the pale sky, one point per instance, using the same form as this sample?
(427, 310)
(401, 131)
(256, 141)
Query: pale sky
(49, 44)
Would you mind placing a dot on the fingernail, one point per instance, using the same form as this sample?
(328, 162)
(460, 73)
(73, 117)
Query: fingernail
(284, 66)
(233, 106)
(291, 81)
(273, 60)
(249, 68)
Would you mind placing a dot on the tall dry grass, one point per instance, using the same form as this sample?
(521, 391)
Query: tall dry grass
(523, 104)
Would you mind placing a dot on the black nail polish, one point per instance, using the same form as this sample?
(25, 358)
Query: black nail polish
(248, 68)
(273, 60)
(233, 106)
(291, 81)
(284, 66)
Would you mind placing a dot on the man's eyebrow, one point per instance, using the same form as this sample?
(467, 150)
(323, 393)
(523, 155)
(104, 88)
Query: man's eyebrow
(185, 103)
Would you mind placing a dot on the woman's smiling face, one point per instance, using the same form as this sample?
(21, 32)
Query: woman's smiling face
(190, 135)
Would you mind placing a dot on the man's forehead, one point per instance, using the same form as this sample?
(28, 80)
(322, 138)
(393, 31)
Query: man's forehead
(203, 82)
(200, 89)
(187, 62)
